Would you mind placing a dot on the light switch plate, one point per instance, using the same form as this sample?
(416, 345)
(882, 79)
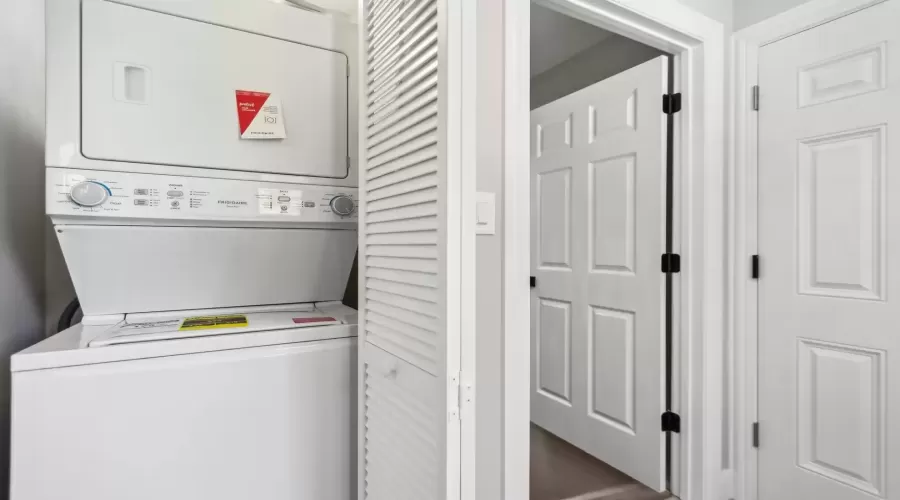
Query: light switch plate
(485, 213)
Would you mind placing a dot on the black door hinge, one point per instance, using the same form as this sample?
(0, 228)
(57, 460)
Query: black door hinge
(755, 99)
(671, 103)
(756, 434)
(533, 282)
(754, 267)
(671, 422)
(671, 263)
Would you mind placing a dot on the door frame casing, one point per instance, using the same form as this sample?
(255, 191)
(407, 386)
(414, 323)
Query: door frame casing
(697, 44)
(743, 333)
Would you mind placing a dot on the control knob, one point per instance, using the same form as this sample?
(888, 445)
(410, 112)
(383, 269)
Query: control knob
(89, 193)
(342, 205)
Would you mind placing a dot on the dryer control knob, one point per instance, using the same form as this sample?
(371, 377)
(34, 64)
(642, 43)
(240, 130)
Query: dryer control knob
(342, 205)
(89, 193)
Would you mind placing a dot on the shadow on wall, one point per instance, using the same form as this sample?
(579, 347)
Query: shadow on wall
(22, 225)
(611, 56)
(59, 288)
(21, 250)
(351, 294)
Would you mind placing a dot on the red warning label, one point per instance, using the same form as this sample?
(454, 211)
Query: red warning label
(259, 115)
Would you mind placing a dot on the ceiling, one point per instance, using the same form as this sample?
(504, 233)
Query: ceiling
(556, 37)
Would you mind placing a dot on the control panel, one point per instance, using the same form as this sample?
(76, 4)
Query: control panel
(117, 194)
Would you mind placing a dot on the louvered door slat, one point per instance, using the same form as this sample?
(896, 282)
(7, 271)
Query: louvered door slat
(419, 31)
(412, 238)
(403, 289)
(425, 56)
(416, 170)
(419, 89)
(400, 60)
(403, 226)
(409, 254)
(423, 102)
(427, 126)
(405, 92)
(410, 185)
(378, 10)
(398, 214)
(399, 152)
(411, 21)
(427, 153)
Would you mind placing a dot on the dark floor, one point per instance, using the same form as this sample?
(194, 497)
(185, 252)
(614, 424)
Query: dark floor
(560, 471)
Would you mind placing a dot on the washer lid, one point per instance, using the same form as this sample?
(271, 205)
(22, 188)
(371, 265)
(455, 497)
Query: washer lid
(76, 346)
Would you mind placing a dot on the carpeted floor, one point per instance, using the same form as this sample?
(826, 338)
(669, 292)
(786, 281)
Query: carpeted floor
(560, 471)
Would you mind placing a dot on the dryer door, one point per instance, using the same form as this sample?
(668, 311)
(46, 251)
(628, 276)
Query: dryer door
(162, 89)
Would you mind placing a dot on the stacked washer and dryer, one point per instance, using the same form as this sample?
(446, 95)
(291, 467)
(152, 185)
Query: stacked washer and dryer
(200, 184)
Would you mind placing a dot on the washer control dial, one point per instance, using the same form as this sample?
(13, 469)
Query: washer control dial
(342, 205)
(89, 193)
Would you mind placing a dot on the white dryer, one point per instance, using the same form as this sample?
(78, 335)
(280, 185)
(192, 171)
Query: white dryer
(202, 185)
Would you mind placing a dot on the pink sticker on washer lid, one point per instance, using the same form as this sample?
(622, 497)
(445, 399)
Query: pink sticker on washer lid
(321, 319)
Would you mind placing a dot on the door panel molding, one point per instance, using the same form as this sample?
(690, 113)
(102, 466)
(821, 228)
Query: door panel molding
(742, 330)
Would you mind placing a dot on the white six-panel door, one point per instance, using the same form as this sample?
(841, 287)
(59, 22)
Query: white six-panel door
(598, 207)
(829, 234)
(412, 250)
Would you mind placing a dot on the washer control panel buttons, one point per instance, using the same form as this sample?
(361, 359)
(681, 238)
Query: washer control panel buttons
(342, 205)
(89, 193)
(123, 195)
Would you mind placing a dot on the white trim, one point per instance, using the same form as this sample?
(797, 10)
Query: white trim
(698, 44)
(742, 195)
(516, 250)
(468, 47)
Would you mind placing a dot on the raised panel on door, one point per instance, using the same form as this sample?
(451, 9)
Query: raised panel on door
(828, 374)
(554, 350)
(841, 413)
(612, 227)
(554, 206)
(611, 368)
(598, 172)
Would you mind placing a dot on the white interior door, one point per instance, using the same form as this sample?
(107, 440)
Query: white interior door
(412, 254)
(829, 288)
(598, 172)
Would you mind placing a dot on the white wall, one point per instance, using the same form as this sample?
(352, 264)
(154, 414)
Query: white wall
(749, 12)
(611, 56)
(22, 224)
(720, 10)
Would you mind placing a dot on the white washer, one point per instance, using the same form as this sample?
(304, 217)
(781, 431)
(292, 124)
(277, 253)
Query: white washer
(202, 187)
(264, 411)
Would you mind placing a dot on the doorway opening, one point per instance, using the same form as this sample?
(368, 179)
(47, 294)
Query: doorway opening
(601, 173)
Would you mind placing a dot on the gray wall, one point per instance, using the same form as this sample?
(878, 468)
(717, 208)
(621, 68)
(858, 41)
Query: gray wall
(749, 12)
(22, 224)
(489, 248)
(599, 62)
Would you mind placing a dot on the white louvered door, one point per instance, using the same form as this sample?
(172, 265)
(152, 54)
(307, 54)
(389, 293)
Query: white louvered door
(412, 248)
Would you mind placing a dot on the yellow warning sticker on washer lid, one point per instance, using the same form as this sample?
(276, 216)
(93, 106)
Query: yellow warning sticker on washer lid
(210, 322)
